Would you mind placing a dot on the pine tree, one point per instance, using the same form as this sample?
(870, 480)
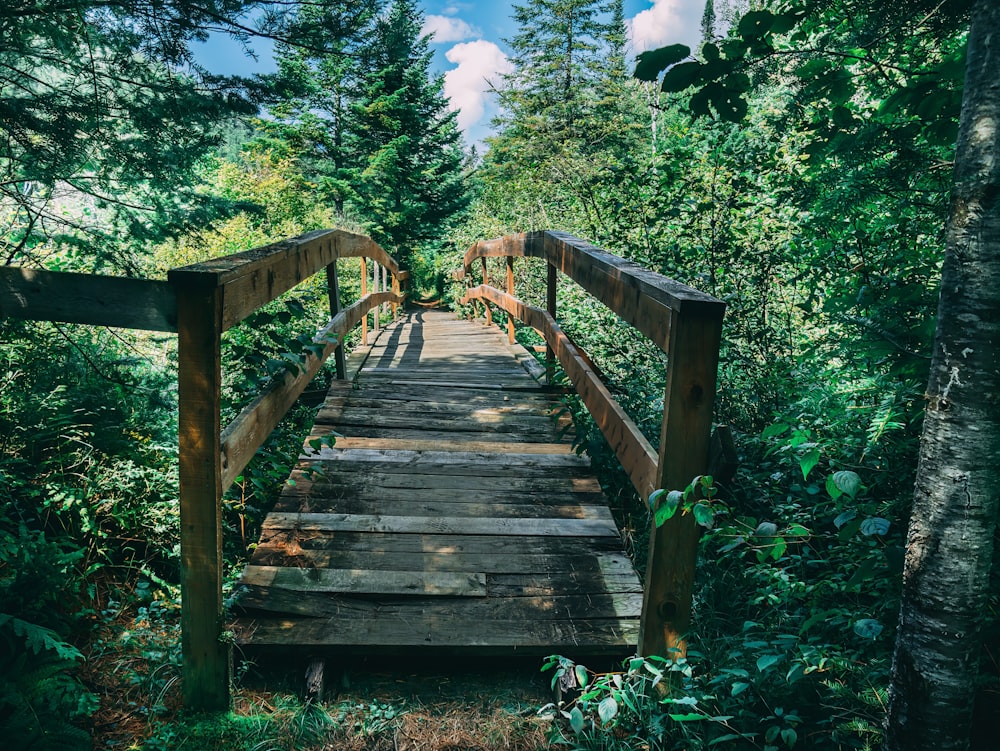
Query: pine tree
(322, 80)
(410, 186)
(708, 22)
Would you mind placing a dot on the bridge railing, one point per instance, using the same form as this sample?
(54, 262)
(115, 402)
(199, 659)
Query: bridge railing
(199, 303)
(687, 325)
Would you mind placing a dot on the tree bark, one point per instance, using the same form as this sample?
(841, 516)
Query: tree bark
(957, 491)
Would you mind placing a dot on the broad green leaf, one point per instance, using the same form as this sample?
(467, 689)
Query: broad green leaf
(738, 688)
(607, 709)
(681, 76)
(847, 482)
(576, 720)
(773, 430)
(779, 548)
(795, 672)
(766, 662)
(843, 517)
(688, 717)
(703, 515)
(756, 24)
(868, 628)
(796, 530)
(582, 678)
(668, 508)
(874, 525)
(766, 529)
(651, 63)
(789, 736)
(807, 461)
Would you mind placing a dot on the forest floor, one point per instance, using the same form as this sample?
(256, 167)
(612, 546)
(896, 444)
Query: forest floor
(403, 704)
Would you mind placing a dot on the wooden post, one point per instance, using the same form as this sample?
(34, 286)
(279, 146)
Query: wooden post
(395, 291)
(364, 291)
(550, 307)
(206, 657)
(486, 305)
(333, 290)
(385, 286)
(377, 310)
(692, 364)
(510, 291)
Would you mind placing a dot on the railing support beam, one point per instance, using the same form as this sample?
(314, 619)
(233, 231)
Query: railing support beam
(685, 437)
(206, 657)
(333, 290)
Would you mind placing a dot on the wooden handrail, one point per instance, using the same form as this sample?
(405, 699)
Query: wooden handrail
(687, 325)
(199, 302)
(120, 302)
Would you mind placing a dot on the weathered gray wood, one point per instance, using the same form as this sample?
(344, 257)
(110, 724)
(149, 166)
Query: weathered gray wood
(431, 525)
(529, 608)
(315, 681)
(484, 637)
(88, 299)
(438, 472)
(206, 657)
(365, 581)
(684, 442)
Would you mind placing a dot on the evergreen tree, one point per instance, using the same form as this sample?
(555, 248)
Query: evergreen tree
(561, 53)
(104, 115)
(708, 22)
(410, 185)
(322, 81)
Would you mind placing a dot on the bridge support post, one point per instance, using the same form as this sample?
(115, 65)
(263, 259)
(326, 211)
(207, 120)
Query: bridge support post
(364, 291)
(486, 305)
(685, 437)
(207, 659)
(510, 291)
(550, 307)
(333, 291)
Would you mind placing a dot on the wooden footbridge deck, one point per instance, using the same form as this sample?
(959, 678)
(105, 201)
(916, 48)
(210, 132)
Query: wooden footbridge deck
(448, 515)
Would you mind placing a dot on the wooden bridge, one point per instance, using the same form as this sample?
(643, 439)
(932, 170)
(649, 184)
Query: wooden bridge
(448, 514)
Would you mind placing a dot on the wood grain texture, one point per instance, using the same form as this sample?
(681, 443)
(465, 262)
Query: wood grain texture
(88, 299)
(473, 523)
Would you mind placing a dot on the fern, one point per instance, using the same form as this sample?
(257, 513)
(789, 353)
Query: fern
(40, 639)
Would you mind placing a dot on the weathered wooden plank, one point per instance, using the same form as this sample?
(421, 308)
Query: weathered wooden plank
(351, 504)
(364, 581)
(277, 599)
(468, 422)
(431, 525)
(495, 442)
(516, 486)
(88, 299)
(593, 637)
(577, 555)
(453, 460)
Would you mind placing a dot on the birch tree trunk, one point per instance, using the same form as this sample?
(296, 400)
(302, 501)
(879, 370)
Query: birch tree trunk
(957, 491)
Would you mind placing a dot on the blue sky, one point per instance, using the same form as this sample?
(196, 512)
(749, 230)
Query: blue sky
(467, 39)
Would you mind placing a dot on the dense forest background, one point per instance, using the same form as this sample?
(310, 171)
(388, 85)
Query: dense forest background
(797, 165)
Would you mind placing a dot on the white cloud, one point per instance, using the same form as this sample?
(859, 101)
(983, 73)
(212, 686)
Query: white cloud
(445, 29)
(667, 22)
(467, 85)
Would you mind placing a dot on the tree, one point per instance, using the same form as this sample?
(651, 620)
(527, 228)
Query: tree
(560, 53)
(105, 115)
(957, 492)
(322, 83)
(410, 184)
